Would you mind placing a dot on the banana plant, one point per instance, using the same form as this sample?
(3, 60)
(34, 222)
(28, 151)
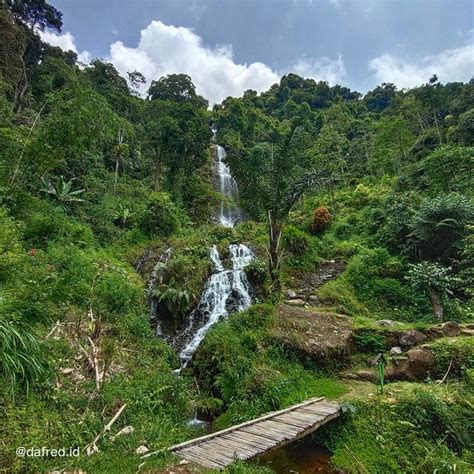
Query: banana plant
(122, 216)
(61, 190)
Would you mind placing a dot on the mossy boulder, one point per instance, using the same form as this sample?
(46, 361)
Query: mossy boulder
(324, 338)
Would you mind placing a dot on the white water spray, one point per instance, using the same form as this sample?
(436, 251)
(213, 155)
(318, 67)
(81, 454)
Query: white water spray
(222, 287)
(229, 213)
(226, 290)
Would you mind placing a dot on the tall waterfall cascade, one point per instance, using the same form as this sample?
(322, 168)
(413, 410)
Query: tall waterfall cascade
(229, 213)
(227, 290)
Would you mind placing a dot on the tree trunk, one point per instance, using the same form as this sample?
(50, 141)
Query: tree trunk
(436, 304)
(274, 235)
(116, 172)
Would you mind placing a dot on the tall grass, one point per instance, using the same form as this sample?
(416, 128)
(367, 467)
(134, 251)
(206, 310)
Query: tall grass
(20, 357)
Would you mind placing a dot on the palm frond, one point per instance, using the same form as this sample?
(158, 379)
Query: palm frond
(311, 179)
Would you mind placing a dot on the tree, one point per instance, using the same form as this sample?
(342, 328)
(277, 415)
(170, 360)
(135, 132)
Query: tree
(330, 152)
(271, 176)
(448, 168)
(380, 98)
(35, 13)
(392, 144)
(80, 129)
(440, 225)
(434, 280)
(136, 79)
(104, 77)
(463, 132)
(177, 88)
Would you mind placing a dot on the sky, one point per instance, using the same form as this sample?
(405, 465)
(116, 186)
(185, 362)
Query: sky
(229, 46)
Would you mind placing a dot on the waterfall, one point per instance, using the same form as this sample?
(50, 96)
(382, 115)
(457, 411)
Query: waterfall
(229, 213)
(226, 291)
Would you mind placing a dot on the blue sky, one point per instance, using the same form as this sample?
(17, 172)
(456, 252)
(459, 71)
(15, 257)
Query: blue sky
(228, 46)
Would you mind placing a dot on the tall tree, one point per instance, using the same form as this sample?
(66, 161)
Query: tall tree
(35, 13)
(177, 88)
(273, 177)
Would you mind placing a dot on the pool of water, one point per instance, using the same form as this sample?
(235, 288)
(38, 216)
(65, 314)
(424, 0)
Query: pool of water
(302, 457)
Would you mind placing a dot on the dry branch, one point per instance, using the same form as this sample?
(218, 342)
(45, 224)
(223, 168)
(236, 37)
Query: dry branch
(92, 448)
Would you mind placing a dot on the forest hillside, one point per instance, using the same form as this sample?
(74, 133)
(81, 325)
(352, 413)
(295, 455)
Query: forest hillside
(357, 214)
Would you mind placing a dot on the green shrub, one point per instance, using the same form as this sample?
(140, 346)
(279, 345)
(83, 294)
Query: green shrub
(257, 273)
(340, 295)
(161, 216)
(47, 225)
(439, 226)
(370, 341)
(295, 240)
(457, 353)
(183, 278)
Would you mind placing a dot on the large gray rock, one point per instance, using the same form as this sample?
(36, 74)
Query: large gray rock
(411, 338)
(394, 351)
(387, 323)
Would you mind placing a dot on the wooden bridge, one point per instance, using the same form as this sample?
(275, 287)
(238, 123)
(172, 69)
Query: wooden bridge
(255, 437)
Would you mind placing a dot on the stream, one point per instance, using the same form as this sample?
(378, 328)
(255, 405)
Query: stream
(302, 457)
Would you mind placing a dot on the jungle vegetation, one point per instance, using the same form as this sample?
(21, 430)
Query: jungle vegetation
(94, 175)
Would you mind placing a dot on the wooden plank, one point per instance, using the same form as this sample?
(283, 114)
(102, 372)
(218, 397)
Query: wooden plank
(251, 441)
(210, 456)
(321, 408)
(273, 435)
(264, 431)
(290, 430)
(321, 404)
(246, 423)
(305, 417)
(316, 409)
(231, 447)
(292, 421)
(203, 462)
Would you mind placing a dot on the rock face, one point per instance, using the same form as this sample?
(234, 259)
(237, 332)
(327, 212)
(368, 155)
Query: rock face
(324, 338)
(413, 337)
(296, 302)
(387, 322)
(416, 365)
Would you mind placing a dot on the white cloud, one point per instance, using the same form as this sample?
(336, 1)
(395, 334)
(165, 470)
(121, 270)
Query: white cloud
(323, 69)
(450, 65)
(66, 42)
(166, 49)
